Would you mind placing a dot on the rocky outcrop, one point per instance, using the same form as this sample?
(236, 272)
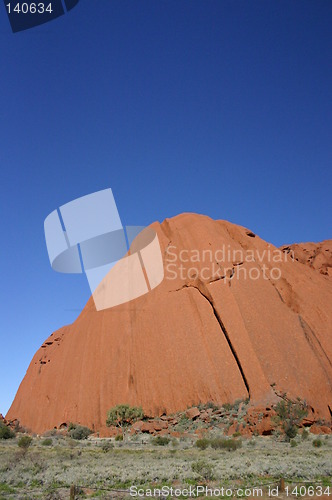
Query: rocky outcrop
(14, 424)
(240, 419)
(315, 255)
(234, 318)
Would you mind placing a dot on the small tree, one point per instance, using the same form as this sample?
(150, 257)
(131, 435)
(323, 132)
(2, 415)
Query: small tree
(290, 414)
(123, 416)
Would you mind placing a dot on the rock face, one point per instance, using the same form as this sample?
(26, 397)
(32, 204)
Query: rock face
(315, 255)
(234, 318)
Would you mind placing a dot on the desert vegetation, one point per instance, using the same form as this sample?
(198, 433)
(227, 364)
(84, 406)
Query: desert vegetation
(219, 443)
(97, 465)
(207, 444)
(79, 432)
(289, 415)
(6, 432)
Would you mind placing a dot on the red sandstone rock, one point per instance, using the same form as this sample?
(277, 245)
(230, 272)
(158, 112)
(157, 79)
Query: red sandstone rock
(315, 255)
(232, 429)
(205, 416)
(108, 431)
(192, 413)
(192, 340)
(163, 432)
(265, 426)
(320, 429)
(137, 426)
(307, 422)
(200, 433)
(147, 427)
(159, 425)
(243, 430)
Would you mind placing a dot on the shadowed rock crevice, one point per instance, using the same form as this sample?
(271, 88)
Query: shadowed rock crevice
(204, 292)
(279, 294)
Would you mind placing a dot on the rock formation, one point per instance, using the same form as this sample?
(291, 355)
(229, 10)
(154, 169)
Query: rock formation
(234, 318)
(315, 255)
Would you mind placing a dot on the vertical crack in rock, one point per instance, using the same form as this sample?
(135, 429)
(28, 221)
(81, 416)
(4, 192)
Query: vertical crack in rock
(276, 289)
(314, 343)
(204, 292)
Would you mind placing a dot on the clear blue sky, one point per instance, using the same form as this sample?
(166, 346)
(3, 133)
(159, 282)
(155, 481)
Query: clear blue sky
(211, 106)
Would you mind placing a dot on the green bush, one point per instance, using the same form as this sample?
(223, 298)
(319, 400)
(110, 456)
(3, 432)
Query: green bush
(161, 441)
(293, 443)
(107, 446)
(232, 444)
(24, 442)
(305, 434)
(119, 437)
(227, 406)
(317, 443)
(47, 442)
(6, 432)
(217, 443)
(209, 405)
(202, 444)
(78, 431)
(289, 415)
(184, 422)
(203, 469)
(226, 444)
(290, 431)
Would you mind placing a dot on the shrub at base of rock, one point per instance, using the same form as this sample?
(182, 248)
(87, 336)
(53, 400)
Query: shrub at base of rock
(6, 432)
(78, 431)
